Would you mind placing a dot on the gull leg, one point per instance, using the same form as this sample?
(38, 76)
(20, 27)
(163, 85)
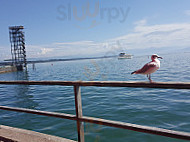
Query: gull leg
(150, 78)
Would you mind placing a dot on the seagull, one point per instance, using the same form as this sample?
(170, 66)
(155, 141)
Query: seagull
(150, 67)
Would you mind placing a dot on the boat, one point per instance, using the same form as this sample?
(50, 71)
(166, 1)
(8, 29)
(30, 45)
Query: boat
(125, 56)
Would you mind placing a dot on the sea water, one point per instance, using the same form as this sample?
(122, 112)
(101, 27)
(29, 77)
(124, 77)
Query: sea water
(163, 108)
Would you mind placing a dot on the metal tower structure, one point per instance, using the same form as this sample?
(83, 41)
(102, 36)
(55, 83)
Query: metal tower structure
(18, 47)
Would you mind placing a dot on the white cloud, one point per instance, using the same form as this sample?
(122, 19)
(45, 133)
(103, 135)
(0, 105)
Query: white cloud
(158, 36)
(5, 53)
(141, 22)
(175, 35)
(79, 43)
(37, 51)
(45, 51)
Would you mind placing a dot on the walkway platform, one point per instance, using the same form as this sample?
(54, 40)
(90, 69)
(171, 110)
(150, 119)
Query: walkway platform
(5, 69)
(10, 134)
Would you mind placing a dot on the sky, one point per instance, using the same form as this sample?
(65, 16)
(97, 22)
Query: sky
(80, 28)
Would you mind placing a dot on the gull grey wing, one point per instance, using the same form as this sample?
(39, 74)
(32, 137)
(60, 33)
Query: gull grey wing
(146, 67)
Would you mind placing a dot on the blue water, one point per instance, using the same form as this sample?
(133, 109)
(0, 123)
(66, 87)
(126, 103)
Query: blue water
(164, 108)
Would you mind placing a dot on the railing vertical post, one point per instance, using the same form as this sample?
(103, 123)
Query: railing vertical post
(78, 107)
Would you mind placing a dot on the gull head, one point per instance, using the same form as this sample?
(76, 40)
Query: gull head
(155, 56)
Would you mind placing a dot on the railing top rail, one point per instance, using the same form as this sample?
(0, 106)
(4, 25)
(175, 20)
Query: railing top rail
(164, 85)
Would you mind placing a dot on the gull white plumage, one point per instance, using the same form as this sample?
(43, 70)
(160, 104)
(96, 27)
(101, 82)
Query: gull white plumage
(150, 67)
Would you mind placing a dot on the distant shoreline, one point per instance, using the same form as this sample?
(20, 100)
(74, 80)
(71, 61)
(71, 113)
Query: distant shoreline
(56, 60)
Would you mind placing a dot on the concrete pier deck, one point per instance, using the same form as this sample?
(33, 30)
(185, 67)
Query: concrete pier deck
(10, 134)
(5, 69)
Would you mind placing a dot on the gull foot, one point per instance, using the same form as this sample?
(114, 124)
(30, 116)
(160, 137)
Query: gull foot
(150, 80)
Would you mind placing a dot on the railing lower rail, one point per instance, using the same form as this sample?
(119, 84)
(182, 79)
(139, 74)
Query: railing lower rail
(78, 105)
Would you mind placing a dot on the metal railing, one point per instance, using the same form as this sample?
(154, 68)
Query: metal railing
(79, 118)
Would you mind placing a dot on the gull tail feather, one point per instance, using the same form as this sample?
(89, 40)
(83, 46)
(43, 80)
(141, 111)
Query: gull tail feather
(133, 72)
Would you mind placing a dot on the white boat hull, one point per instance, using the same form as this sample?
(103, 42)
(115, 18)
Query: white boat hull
(125, 57)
